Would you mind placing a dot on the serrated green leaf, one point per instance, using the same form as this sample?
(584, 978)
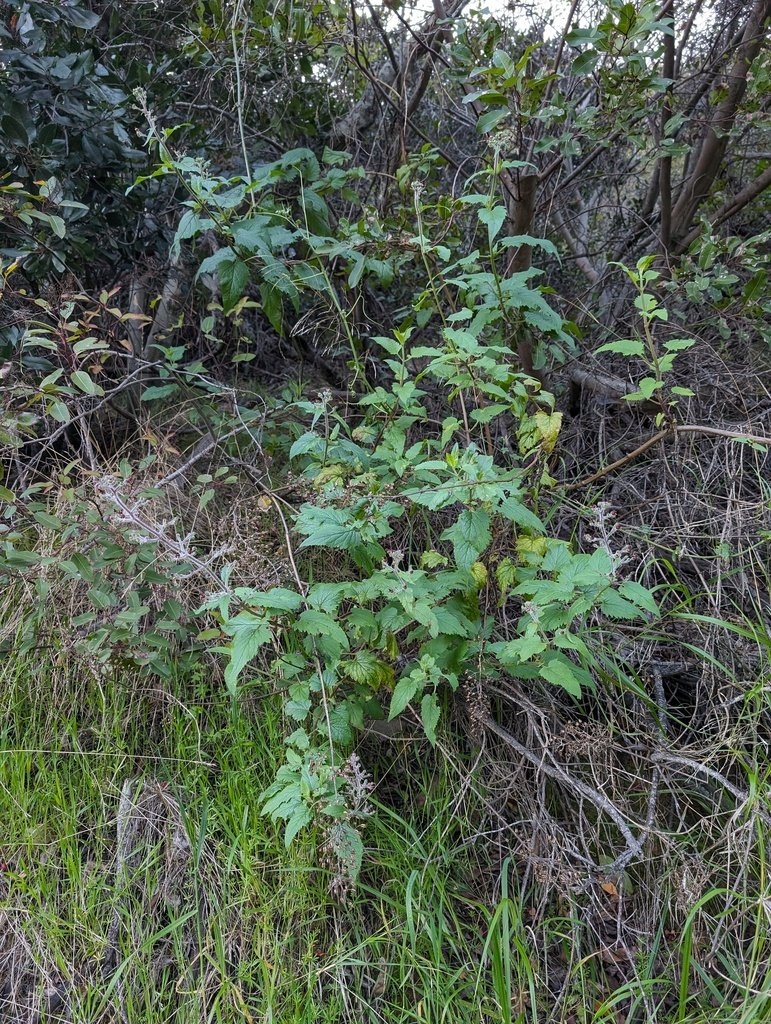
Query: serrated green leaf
(470, 535)
(513, 510)
(421, 611)
(617, 607)
(366, 668)
(326, 597)
(404, 691)
(252, 234)
(516, 241)
(494, 219)
(506, 574)
(520, 649)
(449, 623)
(297, 708)
(337, 724)
(679, 344)
(432, 559)
(279, 599)
(626, 347)
(488, 413)
(307, 442)
(319, 624)
(233, 276)
(284, 803)
(640, 595)
(249, 633)
(646, 389)
(561, 673)
(298, 821)
(327, 527)
(299, 739)
(429, 716)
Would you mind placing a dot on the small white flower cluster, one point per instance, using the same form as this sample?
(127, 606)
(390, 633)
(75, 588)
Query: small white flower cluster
(603, 518)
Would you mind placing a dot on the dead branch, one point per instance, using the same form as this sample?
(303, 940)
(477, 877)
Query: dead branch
(594, 796)
(669, 431)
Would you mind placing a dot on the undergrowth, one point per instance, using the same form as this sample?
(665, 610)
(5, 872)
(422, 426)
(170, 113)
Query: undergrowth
(515, 740)
(140, 883)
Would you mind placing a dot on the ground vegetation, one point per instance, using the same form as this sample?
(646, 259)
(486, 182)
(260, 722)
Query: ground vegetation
(385, 512)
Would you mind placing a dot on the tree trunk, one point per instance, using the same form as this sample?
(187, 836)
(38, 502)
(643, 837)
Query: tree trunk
(697, 186)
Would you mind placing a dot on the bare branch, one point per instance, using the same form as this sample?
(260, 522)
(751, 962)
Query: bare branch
(715, 140)
(594, 796)
(583, 262)
(665, 162)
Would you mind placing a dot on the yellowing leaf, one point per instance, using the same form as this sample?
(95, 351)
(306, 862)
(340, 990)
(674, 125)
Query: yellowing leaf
(549, 425)
(479, 571)
(531, 545)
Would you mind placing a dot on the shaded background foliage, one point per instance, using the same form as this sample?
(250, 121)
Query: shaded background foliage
(629, 133)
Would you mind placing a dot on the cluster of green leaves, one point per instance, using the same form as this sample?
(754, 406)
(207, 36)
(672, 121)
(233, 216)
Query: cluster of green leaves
(525, 96)
(624, 41)
(444, 567)
(33, 227)
(417, 517)
(480, 305)
(730, 276)
(658, 358)
(65, 107)
(278, 228)
(118, 577)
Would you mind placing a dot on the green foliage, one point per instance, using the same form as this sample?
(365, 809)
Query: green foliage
(519, 95)
(33, 230)
(275, 228)
(62, 105)
(400, 542)
(422, 547)
(729, 277)
(66, 109)
(114, 560)
(658, 358)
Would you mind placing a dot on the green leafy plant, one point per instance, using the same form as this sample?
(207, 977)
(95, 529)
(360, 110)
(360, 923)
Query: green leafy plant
(658, 358)
(118, 562)
(410, 542)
